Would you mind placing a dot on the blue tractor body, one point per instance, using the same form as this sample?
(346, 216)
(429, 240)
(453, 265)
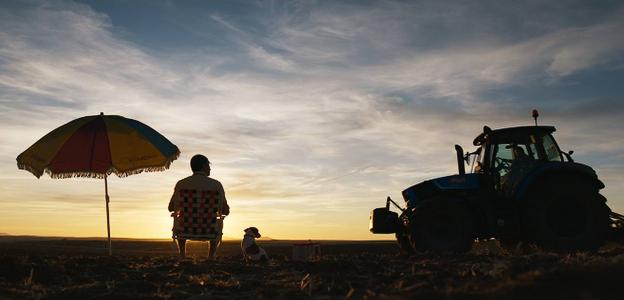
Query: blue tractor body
(521, 186)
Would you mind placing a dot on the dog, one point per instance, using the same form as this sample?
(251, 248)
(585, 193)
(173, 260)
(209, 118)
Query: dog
(251, 250)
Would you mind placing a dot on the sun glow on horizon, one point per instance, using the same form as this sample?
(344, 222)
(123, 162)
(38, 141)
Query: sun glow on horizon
(76, 209)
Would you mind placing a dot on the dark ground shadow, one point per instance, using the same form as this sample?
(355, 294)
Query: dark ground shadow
(76, 269)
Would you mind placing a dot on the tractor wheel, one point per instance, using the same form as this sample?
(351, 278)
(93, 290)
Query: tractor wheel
(566, 213)
(404, 243)
(442, 225)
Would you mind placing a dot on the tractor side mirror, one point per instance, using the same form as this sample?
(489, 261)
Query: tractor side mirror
(568, 155)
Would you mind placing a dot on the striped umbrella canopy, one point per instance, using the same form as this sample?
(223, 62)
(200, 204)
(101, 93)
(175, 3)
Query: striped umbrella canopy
(96, 146)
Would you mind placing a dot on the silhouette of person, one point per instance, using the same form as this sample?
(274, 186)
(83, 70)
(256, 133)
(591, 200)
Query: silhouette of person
(518, 153)
(517, 169)
(200, 181)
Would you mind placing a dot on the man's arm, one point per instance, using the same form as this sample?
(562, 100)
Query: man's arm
(225, 208)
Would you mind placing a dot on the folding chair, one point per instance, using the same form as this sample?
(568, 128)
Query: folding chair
(198, 216)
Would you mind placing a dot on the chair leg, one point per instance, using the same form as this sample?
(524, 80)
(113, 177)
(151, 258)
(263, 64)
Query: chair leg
(175, 245)
(214, 245)
(182, 247)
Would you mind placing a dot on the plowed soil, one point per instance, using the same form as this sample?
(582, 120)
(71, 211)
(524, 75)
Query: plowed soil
(36, 268)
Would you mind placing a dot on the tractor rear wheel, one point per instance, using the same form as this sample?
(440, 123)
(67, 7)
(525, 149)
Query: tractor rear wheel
(442, 225)
(566, 213)
(404, 243)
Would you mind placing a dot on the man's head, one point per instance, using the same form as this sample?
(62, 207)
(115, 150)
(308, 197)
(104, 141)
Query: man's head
(200, 163)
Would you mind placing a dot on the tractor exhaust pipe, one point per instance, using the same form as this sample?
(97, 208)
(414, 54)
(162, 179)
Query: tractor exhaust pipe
(460, 160)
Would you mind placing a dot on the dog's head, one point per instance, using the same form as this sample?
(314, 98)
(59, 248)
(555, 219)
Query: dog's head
(253, 231)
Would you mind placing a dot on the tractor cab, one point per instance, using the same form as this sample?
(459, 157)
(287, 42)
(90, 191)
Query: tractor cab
(507, 155)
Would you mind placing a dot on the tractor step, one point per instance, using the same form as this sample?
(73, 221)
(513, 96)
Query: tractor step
(617, 227)
(617, 220)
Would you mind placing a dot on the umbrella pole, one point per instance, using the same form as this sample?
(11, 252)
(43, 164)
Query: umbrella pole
(110, 249)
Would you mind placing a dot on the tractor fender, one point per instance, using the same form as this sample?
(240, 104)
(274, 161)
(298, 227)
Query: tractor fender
(553, 168)
(416, 194)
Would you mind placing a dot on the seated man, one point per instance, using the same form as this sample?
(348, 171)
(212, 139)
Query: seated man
(200, 181)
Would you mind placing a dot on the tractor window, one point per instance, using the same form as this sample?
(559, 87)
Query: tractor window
(478, 159)
(521, 152)
(534, 152)
(552, 151)
(503, 157)
(511, 158)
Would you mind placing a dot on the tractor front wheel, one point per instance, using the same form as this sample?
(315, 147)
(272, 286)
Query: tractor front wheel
(404, 243)
(442, 225)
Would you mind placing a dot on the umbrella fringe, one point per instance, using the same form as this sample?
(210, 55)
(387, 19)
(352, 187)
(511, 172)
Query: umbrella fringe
(87, 174)
(148, 169)
(137, 171)
(75, 174)
(30, 169)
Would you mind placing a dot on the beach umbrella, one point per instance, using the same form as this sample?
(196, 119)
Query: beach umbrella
(97, 146)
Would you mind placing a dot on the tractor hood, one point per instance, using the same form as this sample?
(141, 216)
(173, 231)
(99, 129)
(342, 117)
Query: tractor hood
(427, 189)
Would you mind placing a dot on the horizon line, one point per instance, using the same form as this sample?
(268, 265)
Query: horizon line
(7, 235)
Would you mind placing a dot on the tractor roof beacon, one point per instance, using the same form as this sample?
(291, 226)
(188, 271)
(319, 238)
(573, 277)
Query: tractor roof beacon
(520, 186)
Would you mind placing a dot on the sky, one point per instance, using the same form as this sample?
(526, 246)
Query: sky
(311, 112)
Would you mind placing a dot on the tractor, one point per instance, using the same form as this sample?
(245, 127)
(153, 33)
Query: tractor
(520, 188)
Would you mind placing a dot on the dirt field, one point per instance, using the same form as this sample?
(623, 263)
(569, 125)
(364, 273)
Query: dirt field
(33, 268)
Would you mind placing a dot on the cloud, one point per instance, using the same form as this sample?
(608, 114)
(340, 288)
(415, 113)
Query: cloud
(267, 59)
(584, 48)
(371, 47)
